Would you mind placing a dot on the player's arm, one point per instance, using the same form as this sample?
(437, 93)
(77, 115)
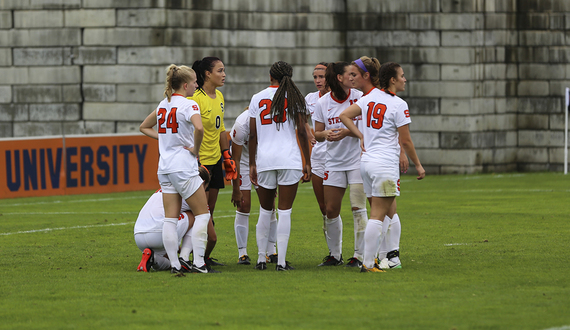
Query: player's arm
(147, 125)
(408, 145)
(196, 120)
(236, 192)
(346, 117)
(252, 150)
(404, 162)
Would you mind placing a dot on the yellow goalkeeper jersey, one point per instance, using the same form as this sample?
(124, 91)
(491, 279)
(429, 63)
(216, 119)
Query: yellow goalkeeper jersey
(212, 111)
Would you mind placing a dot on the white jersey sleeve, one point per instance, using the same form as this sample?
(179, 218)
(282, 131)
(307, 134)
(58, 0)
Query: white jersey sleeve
(240, 136)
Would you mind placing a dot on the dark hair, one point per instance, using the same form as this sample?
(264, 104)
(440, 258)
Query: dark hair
(334, 69)
(388, 71)
(372, 65)
(201, 66)
(176, 76)
(204, 174)
(287, 96)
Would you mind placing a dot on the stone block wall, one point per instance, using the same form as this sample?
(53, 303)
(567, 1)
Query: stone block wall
(485, 77)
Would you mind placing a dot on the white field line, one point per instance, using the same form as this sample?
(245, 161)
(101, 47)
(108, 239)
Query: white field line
(89, 226)
(564, 327)
(454, 244)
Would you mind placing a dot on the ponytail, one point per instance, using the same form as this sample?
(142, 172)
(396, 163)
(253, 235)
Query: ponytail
(370, 65)
(388, 71)
(176, 76)
(287, 97)
(333, 70)
(201, 66)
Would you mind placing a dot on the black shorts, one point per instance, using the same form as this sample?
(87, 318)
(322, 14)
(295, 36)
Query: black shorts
(217, 176)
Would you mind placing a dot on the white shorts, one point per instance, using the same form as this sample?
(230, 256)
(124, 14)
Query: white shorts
(244, 179)
(153, 240)
(341, 179)
(181, 183)
(380, 181)
(318, 167)
(271, 179)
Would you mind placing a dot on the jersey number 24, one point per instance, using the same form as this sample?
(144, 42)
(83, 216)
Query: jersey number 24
(169, 118)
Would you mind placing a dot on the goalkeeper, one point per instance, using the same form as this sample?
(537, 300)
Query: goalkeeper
(214, 152)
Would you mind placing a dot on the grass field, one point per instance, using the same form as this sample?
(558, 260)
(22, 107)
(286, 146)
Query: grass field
(478, 252)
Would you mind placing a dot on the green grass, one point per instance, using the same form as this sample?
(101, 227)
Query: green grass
(478, 252)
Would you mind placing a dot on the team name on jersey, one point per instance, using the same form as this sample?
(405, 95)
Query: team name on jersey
(336, 120)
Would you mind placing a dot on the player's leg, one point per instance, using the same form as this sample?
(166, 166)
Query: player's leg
(172, 204)
(241, 223)
(375, 228)
(196, 199)
(288, 181)
(333, 222)
(359, 215)
(267, 181)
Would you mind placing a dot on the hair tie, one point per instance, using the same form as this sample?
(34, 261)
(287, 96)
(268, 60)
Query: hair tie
(361, 65)
(320, 67)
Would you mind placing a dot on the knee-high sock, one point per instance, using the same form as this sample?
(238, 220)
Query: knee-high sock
(272, 238)
(334, 236)
(262, 233)
(200, 237)
(394, 233)
(283, 233)
(170, 241)
(186, 246)
(241, 226)
(372, 237)
(360, 221)
(160, 263)
(383, 250)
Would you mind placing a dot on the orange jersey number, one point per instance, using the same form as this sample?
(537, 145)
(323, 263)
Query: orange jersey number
(375, 117)
(170, 120)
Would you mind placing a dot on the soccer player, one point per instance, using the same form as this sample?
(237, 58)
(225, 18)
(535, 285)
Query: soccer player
(211, 74)
(342, 164)
(148, 231)
(179, 137)
(319, 148)
(278, 116)
(386, 120)
(241, 194)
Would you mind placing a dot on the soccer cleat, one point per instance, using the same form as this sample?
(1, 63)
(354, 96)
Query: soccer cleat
(364, 269)
(331, 261)
(244, 260)
(186, 267)
(353, 262)
(146, 261)
(271, 259)
(204, 269)
(390, 263)
(177, 272)
(261, 266)
(212, 262)
(288, 266)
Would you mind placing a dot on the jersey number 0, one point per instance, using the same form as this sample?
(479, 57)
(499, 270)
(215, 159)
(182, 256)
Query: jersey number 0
(169, 118)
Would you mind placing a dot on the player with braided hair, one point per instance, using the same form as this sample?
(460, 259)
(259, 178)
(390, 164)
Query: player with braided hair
(278, 116)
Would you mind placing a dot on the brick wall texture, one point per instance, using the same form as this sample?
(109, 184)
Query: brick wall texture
(486, 78)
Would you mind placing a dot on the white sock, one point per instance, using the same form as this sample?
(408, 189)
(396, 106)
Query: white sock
(383, 250)
(272, 238)
(360, 217)
(372, 237)
(334, 236)
(200, 238)
(161, 263)
(395, 231)
(283, 233)
(170, 241)
(186, 246)
(241, 226)
(262, 233)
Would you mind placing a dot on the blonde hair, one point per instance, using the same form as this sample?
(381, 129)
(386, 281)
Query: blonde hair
(372, 65)
(176, 76)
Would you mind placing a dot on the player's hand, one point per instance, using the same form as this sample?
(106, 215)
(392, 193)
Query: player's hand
(253, 174)
(237, 198)
(404, 163)
(334, 134)
(229, 165)
(362, 145)
(306, 173)
(421, 172)
(191, 150)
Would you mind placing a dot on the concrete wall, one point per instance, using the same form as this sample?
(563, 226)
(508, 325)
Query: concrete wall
(485, 77)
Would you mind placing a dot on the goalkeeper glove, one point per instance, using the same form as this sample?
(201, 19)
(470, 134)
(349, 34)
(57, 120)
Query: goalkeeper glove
(229, 165)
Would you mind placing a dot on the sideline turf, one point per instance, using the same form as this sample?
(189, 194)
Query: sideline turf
(478, 252)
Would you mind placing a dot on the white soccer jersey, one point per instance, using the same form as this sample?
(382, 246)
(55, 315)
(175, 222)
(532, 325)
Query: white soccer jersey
(343, 155)
(175, 131)
(240, 136)
(277, 149)
(319, 149)
(151, 216)
(382, 114)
